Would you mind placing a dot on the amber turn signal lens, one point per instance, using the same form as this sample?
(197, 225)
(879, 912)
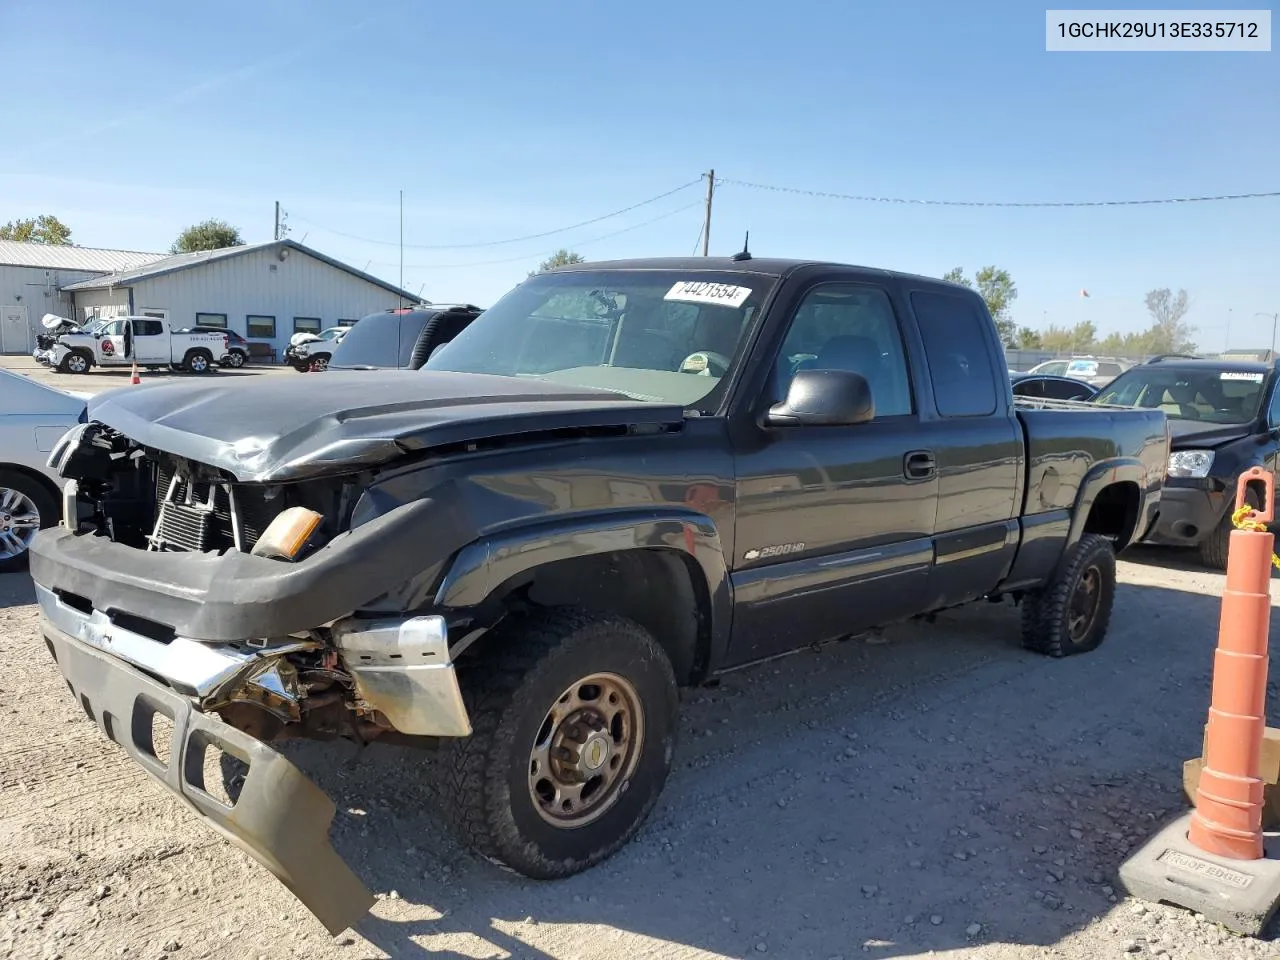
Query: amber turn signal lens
(287, 534)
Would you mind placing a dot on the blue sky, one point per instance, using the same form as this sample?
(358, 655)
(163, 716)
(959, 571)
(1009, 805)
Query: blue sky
(132, 120)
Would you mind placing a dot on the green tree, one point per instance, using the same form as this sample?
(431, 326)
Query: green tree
(561, 258)
(208, 235)
(997, 288)
(45, 228)
(1029, 339)
(1112, 345)
(1169, 332)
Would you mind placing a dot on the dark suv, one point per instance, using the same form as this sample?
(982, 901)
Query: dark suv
(237, 346)
(401, 339)
(1224, 417)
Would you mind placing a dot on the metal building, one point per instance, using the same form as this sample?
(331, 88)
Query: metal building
(266, 292)
(32, 276)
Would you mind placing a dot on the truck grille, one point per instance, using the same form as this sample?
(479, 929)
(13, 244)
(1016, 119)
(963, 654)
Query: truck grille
(202, 521)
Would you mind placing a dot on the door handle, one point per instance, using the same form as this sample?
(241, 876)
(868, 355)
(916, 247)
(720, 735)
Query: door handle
(919, 465)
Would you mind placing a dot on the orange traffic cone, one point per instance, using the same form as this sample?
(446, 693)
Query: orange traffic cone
(135, 378)
(1228, 815)
(1215, 860)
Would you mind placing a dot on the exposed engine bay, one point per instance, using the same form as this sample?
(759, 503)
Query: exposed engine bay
(301, 685)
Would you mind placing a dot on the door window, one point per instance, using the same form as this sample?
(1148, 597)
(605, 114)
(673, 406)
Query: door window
(851, 327)
(113, 329)
(955, 338)
(149, 328)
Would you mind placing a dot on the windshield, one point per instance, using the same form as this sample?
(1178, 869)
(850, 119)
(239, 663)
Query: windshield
(1213, 395)
(660, 335)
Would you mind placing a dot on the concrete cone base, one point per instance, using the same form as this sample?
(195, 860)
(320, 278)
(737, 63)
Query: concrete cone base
(1241, 895)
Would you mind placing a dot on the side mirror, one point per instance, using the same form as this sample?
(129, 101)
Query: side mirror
(824, 398)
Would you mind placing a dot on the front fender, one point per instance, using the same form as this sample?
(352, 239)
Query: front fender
(484, 565)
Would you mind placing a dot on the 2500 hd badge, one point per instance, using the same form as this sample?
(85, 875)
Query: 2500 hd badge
(497, 556)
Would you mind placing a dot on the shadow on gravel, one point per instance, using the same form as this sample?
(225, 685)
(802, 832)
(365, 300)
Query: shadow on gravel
(16, 590)
(936, 790)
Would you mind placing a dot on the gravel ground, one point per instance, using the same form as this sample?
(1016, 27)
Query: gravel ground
(933, 792)
(99, 379)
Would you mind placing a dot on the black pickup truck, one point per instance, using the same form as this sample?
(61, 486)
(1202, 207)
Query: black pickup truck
(621, 478)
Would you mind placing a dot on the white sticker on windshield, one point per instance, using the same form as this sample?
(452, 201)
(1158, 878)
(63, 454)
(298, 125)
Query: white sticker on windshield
(699, 291)
(1233, 375)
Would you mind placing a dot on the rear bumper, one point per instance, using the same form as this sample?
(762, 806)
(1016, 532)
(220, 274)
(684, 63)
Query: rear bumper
(1188, 515)
(280, 818)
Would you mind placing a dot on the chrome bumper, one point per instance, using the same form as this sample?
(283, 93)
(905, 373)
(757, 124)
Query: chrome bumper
(280, 818)
(402, 669)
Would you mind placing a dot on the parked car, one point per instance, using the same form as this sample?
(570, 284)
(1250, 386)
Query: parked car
(1045, 387)
(310, 352)
(620, 478)
(1224, 417)
(237, 346)
(147, 341)
(33, 417)
(1096, 372)
(401, 339)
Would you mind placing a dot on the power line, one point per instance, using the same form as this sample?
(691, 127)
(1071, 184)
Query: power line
(530, 256)
(995, 203)
(499, 243)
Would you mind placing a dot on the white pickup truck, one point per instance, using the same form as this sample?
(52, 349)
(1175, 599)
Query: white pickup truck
(147, 341)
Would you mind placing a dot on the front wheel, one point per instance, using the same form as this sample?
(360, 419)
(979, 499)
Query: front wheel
(74, 363)
(26, 506)
(318, 363)
(574, 720)
(1070, 613)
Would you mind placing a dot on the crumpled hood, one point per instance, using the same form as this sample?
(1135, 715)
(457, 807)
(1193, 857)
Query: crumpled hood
(275, 428)
(1196, 434)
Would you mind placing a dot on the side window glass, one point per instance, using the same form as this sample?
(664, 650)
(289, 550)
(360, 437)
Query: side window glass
(1273, 416)
(1029, 388)
(114, 328)
(955, 338)
(845, 326)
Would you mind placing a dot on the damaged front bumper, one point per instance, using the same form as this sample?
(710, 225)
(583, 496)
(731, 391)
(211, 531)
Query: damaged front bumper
(121, 678)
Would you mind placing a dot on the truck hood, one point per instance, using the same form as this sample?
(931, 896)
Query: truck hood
(275, 428)
(1196, 434)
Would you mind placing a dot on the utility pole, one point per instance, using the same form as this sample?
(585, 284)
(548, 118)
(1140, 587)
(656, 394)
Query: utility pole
(276, 234)
(706, 223)
(1275, 318)
(401, 247)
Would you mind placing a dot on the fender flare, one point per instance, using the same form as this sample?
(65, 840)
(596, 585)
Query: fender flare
(482, 566)
(1100, 476)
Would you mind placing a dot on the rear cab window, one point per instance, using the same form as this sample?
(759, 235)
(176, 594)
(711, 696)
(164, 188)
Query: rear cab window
(955, 336)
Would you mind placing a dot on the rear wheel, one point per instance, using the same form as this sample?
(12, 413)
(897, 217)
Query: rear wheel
(235, 359)
(198, 361)
(26, 506)
(574, 720)
(1071, 613)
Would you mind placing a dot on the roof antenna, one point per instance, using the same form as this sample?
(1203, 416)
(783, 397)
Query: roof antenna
(745, 253)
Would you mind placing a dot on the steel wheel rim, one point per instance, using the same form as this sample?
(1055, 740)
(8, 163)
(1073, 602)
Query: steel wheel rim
(586, 750)
(76, 363)
(1085, 601)
(19, 522)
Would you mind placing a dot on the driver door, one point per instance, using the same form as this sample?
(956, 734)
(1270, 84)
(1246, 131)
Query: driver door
(111, 343)
(835, 524)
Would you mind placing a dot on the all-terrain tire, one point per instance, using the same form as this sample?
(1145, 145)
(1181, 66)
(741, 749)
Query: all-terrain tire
(1048, 614)
(509, 688)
